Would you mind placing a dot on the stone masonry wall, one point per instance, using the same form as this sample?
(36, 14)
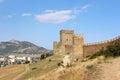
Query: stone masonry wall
(89, 49)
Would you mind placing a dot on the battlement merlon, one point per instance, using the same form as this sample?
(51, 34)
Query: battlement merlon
(55, 42)
(79, 35)
(67, 31)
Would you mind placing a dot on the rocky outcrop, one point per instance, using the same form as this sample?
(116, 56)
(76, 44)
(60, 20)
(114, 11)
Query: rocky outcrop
(66, 61)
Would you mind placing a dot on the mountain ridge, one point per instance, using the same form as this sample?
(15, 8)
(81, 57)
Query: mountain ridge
(15, 46)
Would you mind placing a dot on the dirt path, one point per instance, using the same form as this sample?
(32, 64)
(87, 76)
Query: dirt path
(20, 75)
(109, 70)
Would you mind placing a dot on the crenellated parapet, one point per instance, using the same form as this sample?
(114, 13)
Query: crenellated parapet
(102, 42)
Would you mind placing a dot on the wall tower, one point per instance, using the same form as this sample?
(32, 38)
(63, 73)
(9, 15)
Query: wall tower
(69, 43)
(78, 41)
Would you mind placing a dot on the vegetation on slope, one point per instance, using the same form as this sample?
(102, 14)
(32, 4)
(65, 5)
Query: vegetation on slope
(112, 50)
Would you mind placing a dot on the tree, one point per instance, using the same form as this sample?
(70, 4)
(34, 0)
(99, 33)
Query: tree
(42, 56)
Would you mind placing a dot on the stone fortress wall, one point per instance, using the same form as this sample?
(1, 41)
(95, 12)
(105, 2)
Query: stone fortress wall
(91, 48)
(74, 44)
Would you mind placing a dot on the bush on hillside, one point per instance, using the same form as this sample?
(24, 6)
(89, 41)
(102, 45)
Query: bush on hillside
(89, 66)
(49, 60)
(43, 56)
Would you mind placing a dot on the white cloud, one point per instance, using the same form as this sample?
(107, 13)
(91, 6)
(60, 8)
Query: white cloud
(1, 1)
(26, 14)
(55, 17)
(85, 6)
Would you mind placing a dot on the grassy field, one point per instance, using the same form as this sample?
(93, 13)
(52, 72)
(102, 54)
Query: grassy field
(39, 69)
(11, 71)
(48, 69)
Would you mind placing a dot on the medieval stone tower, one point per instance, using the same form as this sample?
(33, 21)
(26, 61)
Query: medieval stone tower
(69, 43)
(74, 44)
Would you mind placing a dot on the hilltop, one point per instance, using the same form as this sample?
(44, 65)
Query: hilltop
(15, 46)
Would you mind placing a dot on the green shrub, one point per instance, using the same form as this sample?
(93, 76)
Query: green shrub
(99, 62)
(42, 56)
(89, 66)
(49, 60)
(34, 68)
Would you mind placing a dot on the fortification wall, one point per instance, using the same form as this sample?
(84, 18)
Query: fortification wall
(91, 48)
(72, 43)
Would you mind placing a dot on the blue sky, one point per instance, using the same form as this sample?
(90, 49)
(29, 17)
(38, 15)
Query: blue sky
(39, 21)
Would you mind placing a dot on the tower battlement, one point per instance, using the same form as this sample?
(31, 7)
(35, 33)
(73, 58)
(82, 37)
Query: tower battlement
(78, 36)
(67, 31)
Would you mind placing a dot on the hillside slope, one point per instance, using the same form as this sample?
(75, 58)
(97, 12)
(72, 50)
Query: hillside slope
(14, 46)
(96, 69)
(108, 70)
(48, 69)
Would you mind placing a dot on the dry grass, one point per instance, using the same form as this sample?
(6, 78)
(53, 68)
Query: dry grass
(41, 68)
(48, 69)
(107, 70)
(9, 72)
(45, 70)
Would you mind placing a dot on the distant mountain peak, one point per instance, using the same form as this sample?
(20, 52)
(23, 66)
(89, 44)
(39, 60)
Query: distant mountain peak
(14, 41)
(15, 46)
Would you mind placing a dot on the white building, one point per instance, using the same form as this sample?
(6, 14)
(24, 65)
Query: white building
(21, 58)
(12, 59)
(2, 58)
(12, 56)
